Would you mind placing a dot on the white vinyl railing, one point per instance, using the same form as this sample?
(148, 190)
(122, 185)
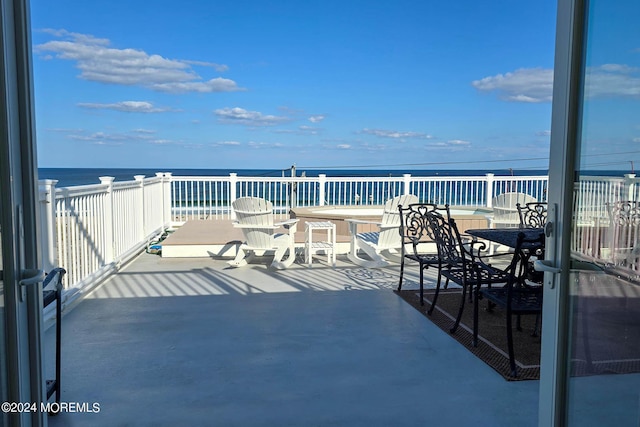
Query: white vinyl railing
(591, 195)
(210, 197)
(91, 229)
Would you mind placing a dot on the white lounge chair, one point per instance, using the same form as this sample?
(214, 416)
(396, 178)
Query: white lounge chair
(255, 217)
(383, 245)
(505, 211)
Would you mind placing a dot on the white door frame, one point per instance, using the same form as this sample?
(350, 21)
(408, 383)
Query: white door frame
(565, 132)
(18, 169)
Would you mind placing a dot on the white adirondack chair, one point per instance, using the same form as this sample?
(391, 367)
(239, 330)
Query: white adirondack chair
(505, 211)
(255, 217)
(383, 245)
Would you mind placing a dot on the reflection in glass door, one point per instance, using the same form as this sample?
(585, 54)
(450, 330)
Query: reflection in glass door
(3, 341)
(604, 365)
(596, 320)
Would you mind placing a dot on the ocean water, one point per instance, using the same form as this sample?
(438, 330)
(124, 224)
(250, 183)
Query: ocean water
(68, 177)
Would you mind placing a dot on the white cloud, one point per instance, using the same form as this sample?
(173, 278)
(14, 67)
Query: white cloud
(522, 85)
(317, 118)
(301, 130)
(536, 84)
(249, 118)
(134, 136)
(343, 146)
(101, 63)
(230, 143)
(544, 133)
(451, 145)
(458, 143)
(382, 133)
(259, 145)
(214, 85)
(612, 80)
(218, 67)
(127, 106)
(99, 138)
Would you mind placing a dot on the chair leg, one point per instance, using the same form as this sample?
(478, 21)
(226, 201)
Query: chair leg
(240, 260)
(512, 358)
(278, 262)
(435, 295)
(476, 297)
(421, 285)
(401, 274)
(536, 327)
(460, 310)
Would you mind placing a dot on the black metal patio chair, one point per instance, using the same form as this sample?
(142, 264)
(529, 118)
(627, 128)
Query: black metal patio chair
(519, 297)
(415, 231)
(623, 234)
(532, 215)
(52, 292)
(464, 262)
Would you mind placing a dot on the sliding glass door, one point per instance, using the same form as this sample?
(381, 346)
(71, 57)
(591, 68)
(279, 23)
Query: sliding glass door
(20, 280)
(591, 351)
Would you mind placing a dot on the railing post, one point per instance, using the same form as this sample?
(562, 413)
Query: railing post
(406, 183)
(233, 180)
(108, 220)
(47, 198)
(294, 188)
(630, 184)
(162, 206)
(322, 184)
(140, 208)
(167, 201)
(489, 201)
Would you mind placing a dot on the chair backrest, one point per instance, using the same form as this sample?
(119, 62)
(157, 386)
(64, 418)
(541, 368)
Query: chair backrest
(505, 211)
(414, 224)
(254, 211)
(624, 212)
(532, 215)
(390, 221)
(624, 231)
(448, 241)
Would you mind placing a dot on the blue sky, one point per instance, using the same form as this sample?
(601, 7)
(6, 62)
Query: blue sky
(257, 84)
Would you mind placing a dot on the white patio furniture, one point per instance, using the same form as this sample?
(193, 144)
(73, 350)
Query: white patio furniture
(254, 216)
(622, 247)
(327, 246)
(383, 245)
(505, 211)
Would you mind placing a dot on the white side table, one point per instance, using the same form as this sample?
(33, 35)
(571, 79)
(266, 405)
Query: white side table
(328, 246)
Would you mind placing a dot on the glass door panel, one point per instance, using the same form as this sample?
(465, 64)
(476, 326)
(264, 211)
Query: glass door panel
(596, 320)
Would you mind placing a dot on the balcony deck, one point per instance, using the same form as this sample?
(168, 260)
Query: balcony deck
(171, 341)
(205, 238)
(218, 238)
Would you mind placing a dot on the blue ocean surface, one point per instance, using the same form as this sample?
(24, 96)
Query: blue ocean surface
(68, 177)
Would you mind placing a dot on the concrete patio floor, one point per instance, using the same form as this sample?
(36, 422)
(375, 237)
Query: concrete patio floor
(170, 342)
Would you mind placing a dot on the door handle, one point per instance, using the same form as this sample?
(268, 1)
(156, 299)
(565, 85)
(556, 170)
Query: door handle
(30, 277)
(544, 265)
(585, 266)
